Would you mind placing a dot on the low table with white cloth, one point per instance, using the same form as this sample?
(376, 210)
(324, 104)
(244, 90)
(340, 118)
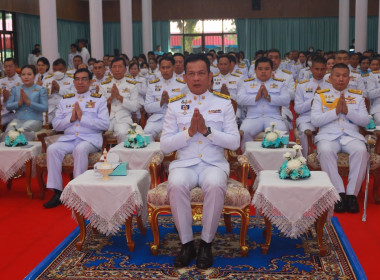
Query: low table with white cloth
(14, 158)
(136, 158)
(293, 206)
(108, 204)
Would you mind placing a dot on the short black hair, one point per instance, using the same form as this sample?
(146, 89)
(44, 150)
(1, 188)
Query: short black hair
(74, 45)
(167, 58)
(263, 59)
(342, 52)
(141, 55)
(45, 61)
(274, 51)
(364, 58)
(83, 70)
(178, 54)
(225, 56)
(125, 56)
(133, 64)
(11, 59)
(318, 59)
(144, 63)
(232, 58)
(197, 57)
(32, 67)
(78, 56)
(91, 59)
(151, 52)
(152, 58)
(119, 58)
(60, 61)
(340, 66)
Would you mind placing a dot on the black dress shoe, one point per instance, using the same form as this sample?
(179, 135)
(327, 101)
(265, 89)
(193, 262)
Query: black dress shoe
(186, 254)
(340, 206)
(204, 257)
(352, 204)
(54, 201)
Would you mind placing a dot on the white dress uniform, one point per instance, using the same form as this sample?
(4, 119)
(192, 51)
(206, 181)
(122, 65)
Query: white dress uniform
(200, 160)
(43, 77)
(8, 83)
(356, 81)
(373, 92)
(262, 112)
(121, 113)
(153, 99)
(240, 70)
(80, 137)
(340, 133)
(65, 86)
(302, 105)
(296, 68)
(70, 60)
(85, 55)
(365, 78)
(179, 76)
(304, 74)
(214, 69)
(98, 82)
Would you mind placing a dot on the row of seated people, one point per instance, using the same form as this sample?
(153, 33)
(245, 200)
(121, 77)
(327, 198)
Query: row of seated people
(200, 124)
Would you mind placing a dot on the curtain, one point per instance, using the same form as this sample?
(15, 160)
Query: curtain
(286, 34)
(161, 35)
(28, 34)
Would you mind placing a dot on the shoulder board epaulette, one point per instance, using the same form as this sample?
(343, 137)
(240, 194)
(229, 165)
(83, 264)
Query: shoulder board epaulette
(69, 95)
(304, 81)
(131, 82)
(70, 75)
(107, 81)
(237, 71)
(296, 63)
(328, 71)
(242, 65)
(376, 72)
(355, 71)
(328, 81)
(236, 75)
(128, 76)
(213, 65)
(96, 95)
(216, 74)
(49, 76)
(365, 75)
(323, 90)
(150, 73)
(356, 91)
(250, 79)
(178, 97)
(286, 71)
(277, 79)
(221, 95)
(154, 81)
(180, 81)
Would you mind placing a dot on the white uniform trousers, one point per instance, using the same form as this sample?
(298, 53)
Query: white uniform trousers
(303, 138)
(154, 128)
(376, 118)
(29, 126)
(213, 182)
(57, 151)
(252, 127)
(120, 129)
(327, 155)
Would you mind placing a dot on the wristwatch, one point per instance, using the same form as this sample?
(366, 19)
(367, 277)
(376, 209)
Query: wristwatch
(208, 132)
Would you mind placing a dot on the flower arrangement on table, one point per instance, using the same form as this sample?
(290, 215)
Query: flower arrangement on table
(272, 138)
(15, 137)
(135, 139)
(295, 166)
(371, 124)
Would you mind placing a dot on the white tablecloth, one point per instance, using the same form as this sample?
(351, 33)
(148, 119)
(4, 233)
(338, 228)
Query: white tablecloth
(294, 205)
(260, 158)
(107, 204)
(136, 158)
(12, 159)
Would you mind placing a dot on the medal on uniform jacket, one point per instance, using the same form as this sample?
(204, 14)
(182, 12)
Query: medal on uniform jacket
(273, 85)
(90, 104)
(157, 87)
(309, 90)
(185, 108)
(252, 85)
(126, 90)
(350, 100)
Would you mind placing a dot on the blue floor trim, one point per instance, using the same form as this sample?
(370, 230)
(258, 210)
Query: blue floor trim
(358, 269)
(46, 261)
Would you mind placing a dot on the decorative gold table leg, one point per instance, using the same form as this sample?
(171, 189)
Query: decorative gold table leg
(320, 224)
(28, 177)
(82, 228)
(128, 234)
(268, 236)
(141, 226)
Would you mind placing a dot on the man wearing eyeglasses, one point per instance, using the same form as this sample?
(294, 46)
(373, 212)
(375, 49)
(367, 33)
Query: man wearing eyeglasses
(82, 116)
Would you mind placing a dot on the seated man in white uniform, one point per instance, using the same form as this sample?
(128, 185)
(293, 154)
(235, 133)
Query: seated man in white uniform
(304, 98)
(338, 112)
(158, 94)
(263, 96)
(122, 97)
(82, 117)
(199, 125)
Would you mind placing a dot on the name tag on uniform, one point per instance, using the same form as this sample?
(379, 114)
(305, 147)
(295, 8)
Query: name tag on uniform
(218, 111)
(232, 82)
(176, 89)
(273, 86)
(253, 85)
(126, 90)
(66, 83)
(309, 90)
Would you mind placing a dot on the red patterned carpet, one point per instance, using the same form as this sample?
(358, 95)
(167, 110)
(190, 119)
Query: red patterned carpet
(29, 232)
